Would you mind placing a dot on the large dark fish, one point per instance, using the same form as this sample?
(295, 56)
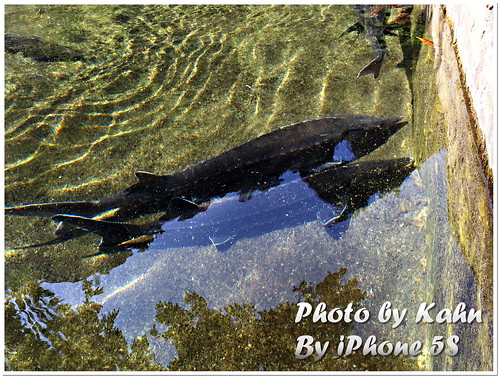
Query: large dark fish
(39, 50)
(330, 196)
(302, 147)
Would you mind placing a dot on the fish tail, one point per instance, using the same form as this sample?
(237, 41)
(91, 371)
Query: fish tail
(87, 208)
(373, 67)
(113, 234)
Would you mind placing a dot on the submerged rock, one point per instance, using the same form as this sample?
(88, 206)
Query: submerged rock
(40, 50)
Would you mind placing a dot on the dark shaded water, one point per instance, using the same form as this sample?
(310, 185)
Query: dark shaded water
(163, 87)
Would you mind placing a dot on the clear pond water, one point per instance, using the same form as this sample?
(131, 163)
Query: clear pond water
(162, 87)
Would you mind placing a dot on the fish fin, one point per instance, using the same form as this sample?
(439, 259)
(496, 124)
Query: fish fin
(50, 209)
(150, 182)
(183, 208)
(187, 204)
(373, 67)
(326, 166)
(61, 237)
(111, 233)
(329, 215)
(146, 177)
(222, 242)
(358, 28)
(337, 230)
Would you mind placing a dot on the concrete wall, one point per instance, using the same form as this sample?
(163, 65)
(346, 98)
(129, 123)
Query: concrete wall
(473, 27)
(468, 109)
(455, 102)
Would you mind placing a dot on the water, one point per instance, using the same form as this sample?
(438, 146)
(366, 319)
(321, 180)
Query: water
(166, 86)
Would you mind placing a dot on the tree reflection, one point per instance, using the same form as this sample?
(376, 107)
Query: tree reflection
(42, 333)
(241, 338)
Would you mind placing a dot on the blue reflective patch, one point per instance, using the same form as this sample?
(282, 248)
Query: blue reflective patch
(343, 152)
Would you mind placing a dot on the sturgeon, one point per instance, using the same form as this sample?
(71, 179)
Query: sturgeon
(330, 196)
(256, 165)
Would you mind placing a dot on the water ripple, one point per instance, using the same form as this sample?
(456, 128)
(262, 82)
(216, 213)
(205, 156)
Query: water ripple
(165, 86)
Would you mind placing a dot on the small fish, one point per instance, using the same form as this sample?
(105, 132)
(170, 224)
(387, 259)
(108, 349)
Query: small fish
(371, 20)
(426, 41)
(374, 21)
